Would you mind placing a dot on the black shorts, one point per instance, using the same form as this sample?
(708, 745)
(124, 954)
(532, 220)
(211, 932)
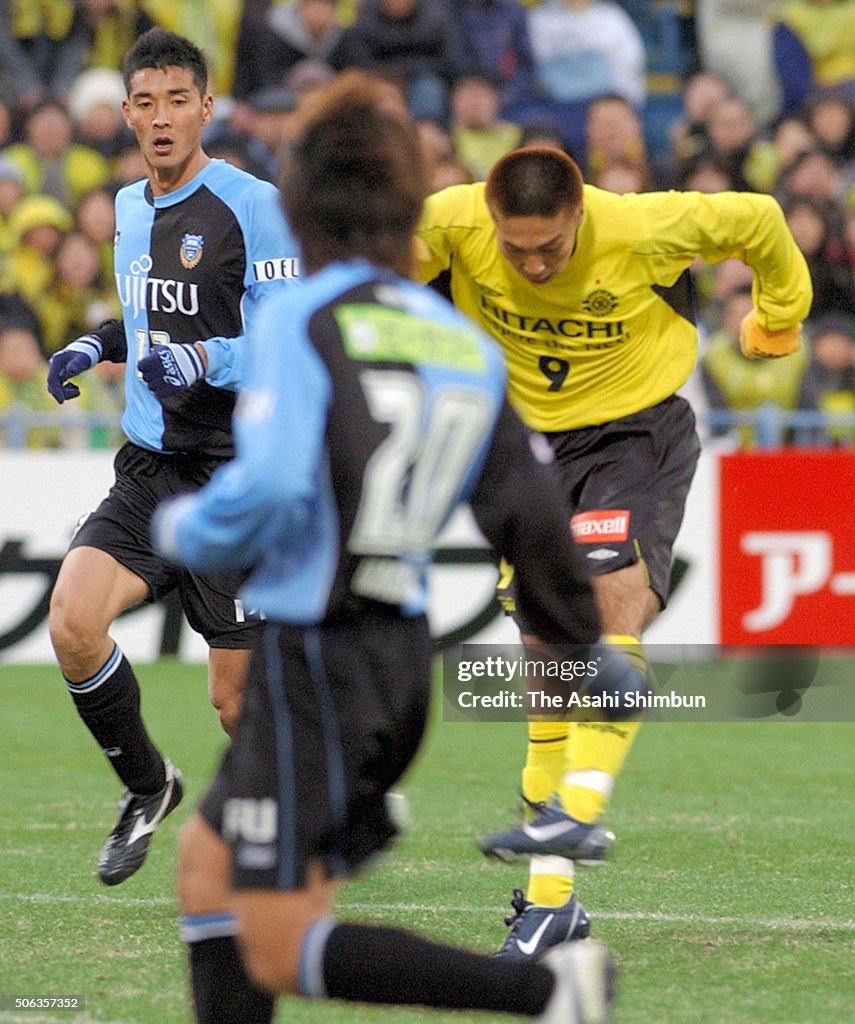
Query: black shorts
(332, 717)
(121, 526)
(626, 483)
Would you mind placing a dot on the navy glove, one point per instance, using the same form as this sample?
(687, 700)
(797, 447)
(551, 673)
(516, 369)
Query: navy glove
(80, 355)
(169, 369)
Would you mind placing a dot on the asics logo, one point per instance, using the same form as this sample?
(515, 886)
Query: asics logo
(528, 947)
(170, 368)
(144, 827)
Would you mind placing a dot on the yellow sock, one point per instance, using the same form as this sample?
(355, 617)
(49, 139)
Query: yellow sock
(545, 759)
(596, 751)
(550, 880)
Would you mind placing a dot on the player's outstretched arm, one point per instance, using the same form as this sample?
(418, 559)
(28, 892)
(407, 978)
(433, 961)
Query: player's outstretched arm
(268, 493)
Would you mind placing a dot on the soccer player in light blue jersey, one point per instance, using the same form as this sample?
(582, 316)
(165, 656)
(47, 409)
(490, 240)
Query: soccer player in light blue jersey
(199, 244)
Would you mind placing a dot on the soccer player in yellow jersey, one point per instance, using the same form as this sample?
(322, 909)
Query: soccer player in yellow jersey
(589, 295)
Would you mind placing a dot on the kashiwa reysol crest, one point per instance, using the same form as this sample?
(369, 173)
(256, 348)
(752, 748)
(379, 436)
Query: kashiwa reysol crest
(600, 302)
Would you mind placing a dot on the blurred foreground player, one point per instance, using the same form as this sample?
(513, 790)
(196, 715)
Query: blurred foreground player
(372, 410)
(198, 244)
(589, 295)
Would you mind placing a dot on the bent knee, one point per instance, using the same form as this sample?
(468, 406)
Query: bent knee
(272, 929)
(76, 634)
(274, 968)
(228, 712)
(227, 670)
(203, 874)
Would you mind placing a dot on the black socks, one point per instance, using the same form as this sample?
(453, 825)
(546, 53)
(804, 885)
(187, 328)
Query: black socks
(109, 704)
(223, 992)
(387, 965)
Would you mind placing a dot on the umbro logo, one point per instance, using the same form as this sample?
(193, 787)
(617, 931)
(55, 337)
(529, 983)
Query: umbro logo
(602, 554)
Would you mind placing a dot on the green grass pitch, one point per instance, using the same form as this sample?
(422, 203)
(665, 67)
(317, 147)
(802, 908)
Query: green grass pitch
(730, 898)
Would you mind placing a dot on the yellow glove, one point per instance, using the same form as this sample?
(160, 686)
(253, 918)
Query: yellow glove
(758, 343)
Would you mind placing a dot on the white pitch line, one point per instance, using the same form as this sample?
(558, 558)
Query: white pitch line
(30, 1019)
(99, 898)
(641, 916)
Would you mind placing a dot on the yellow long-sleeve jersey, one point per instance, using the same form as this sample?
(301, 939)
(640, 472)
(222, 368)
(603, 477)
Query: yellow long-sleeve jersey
(612, 333)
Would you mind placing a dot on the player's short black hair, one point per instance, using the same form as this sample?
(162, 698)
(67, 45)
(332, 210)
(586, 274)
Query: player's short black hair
(353, 180)
(534, 181)
(159, 48)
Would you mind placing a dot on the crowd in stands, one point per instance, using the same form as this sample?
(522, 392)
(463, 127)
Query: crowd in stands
(645, 94)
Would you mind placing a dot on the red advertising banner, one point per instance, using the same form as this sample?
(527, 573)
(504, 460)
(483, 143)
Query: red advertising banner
(787, 547)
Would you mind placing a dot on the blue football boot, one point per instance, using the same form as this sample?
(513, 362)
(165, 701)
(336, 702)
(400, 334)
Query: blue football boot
(534, 930)
(549, 831)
